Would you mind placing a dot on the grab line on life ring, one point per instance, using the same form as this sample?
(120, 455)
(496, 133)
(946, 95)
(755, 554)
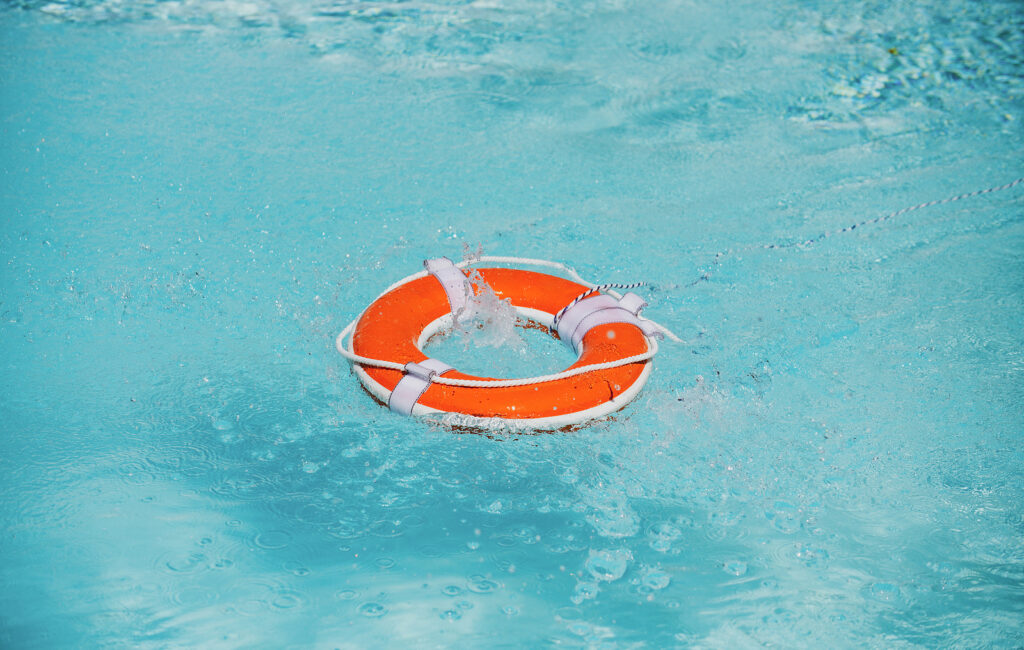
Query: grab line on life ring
(613, 342)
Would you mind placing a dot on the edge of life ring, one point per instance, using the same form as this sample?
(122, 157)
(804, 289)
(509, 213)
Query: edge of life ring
(397, 324)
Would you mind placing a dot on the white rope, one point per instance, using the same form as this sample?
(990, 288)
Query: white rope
(652, 349)
(339, 343)
(652, 345)
(919, 206)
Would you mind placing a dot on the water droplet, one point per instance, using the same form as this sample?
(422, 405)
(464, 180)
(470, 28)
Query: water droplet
(735, 567)
(346, 594)
(373, 610)
(451, 615)
(481, 585)
(451, 590)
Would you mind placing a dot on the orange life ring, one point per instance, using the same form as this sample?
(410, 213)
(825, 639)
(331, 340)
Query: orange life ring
(396, 325)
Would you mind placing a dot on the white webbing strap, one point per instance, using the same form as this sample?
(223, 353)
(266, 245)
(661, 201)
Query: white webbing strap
(414, 383)
(602, 310)
(452, 279)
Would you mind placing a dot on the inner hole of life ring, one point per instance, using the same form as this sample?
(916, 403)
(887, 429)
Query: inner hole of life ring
(472, 351)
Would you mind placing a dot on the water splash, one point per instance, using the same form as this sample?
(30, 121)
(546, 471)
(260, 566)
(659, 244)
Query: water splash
(487, 321)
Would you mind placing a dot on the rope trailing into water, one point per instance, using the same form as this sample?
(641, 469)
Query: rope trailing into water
(892, 215)
(867, 222)
(595, 288)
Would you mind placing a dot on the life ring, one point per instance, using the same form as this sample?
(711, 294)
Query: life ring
(604, 331)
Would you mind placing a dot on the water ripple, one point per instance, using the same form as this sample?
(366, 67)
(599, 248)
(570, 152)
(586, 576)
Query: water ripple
(272, 539)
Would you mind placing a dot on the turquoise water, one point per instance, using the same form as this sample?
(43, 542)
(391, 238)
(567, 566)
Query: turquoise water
(197, 196)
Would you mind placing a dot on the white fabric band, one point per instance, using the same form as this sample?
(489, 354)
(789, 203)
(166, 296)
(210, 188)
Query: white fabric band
(414, 383)
(452, 279)
(602, 310)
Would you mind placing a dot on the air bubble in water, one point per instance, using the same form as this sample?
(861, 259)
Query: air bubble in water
(608, 566)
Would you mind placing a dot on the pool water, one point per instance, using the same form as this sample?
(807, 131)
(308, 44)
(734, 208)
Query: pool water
(196, 197)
